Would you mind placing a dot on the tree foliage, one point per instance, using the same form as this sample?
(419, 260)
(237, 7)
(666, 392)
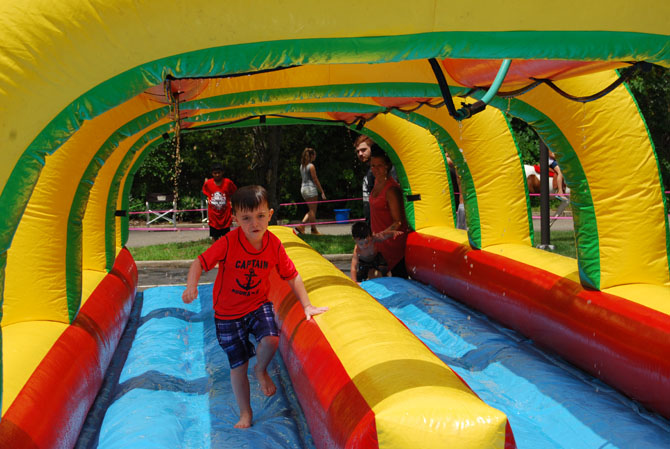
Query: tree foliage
(248, 159)
(651, 89)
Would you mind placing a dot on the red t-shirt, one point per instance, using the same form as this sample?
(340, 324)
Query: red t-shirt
(218, 206)
(242, 284)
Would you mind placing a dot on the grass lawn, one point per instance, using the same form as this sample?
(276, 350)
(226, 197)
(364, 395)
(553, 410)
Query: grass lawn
(330, 244)
(171, 251)
(564, 241)
(324, 244)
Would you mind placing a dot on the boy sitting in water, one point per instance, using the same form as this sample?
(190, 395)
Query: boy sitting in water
(246, 256)
(367, 262)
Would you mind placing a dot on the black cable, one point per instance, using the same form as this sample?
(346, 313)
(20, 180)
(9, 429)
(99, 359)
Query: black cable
(444, 86)
(523, 90)
(625, 75)
(251, 117)
(360, 121)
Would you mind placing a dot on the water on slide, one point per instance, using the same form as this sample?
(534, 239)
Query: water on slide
(169, 385)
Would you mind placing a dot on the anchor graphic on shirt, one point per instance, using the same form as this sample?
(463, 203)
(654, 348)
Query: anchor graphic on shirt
(249, 277)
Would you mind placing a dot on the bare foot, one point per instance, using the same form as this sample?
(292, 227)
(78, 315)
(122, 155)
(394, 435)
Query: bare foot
(267, 385)
(244, 422)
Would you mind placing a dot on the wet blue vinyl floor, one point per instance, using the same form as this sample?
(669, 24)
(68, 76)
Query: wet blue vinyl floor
(169, 386)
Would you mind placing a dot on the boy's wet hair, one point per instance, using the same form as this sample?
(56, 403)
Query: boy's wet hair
(217, 166)
(360, 230)
(249, 198)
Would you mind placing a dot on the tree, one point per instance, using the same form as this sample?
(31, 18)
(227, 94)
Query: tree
(265, 160)
(651, 89)
(268, 155)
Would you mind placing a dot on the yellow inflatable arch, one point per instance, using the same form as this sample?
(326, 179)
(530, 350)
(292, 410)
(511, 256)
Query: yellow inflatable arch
(87, 90)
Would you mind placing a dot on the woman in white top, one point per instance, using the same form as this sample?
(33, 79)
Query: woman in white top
(309, 188)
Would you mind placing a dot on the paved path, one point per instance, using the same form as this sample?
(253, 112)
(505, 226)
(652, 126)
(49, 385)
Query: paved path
(173, 272)
(168, 234)
(163, 234)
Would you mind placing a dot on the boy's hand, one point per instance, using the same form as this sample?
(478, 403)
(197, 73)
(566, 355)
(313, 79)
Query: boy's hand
(189, 294)
(310, 311)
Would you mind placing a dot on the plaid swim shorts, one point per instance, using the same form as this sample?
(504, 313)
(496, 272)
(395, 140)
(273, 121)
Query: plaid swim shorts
(233, 335)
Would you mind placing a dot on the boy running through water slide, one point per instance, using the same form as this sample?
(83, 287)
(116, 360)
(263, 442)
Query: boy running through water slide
(246, 256)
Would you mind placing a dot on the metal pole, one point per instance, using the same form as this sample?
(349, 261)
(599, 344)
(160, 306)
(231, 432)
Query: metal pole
(544, 198)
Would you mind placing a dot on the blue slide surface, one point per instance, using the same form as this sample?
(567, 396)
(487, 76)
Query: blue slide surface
(169, 384)
(549, 403)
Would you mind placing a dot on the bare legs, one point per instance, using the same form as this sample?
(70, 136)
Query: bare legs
(558, 184)
(310, 216)
(264, 352)
(533, 183)
(240, 381)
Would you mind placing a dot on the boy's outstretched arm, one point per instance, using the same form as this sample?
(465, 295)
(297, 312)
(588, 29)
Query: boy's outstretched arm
(298, 288)
(192, 279)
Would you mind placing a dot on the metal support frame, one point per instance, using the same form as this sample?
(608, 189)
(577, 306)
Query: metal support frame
(545, 239)
(161, 215)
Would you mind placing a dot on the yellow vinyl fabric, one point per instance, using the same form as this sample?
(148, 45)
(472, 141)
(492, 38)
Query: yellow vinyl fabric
(38, 247)
(98, 211)
(609, 139)
(495, 166)
(492, 178)
(93, 232)
(424, 165)
(50, 226)
(23, 347)
(414, 396)
(653, 296)
(58, 43)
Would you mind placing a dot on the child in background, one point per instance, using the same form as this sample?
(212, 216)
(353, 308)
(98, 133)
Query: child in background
(367, 262)
(246, 256)
(218, 191)
(553, 165)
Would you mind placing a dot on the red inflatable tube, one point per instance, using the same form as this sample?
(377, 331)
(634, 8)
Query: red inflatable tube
(623, 343)
(335, 410)
(51, 408)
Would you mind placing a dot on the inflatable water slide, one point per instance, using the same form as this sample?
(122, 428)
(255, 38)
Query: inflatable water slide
(89, 87)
